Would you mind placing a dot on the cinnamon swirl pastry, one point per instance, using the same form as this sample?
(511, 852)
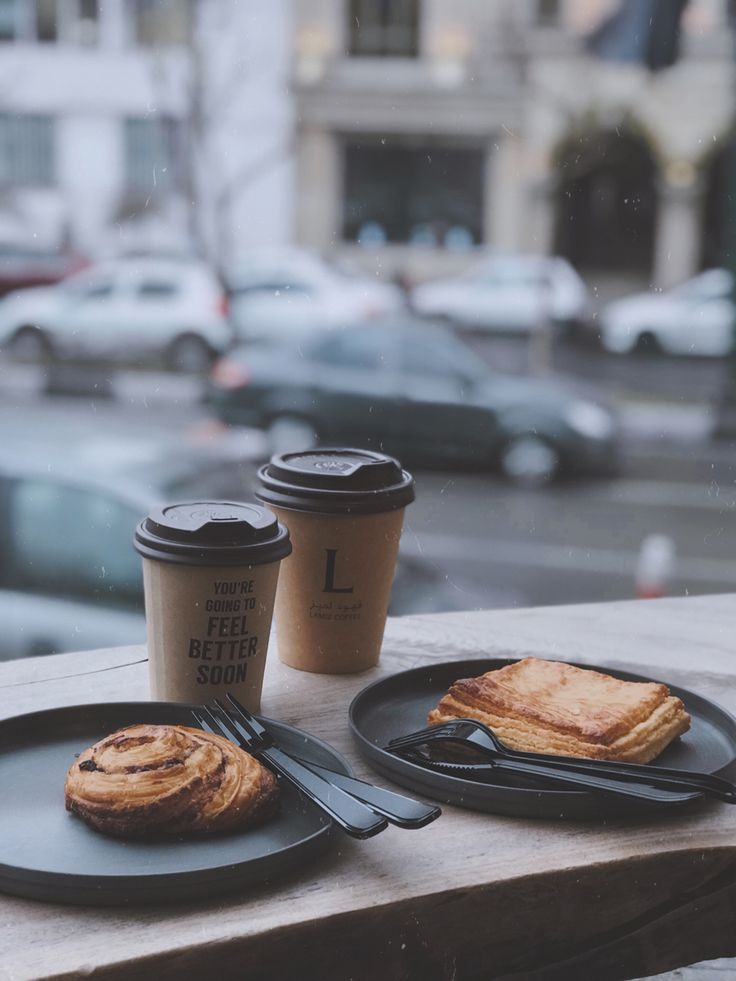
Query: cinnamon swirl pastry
(549, 707)
(149, 780)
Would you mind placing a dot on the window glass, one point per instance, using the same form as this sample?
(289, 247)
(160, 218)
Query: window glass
(406, 192)
(97, 291)
(439, 357)
(508, 275)
(163, 22)
(26, 150)
(8, 19)
(548, 12)
(354, 349)
(426, 358)
(157, 289)
(87, 26)
(384, 27)
(151, 154)
(274, 288)
(46, 26)
(75, 542)
(90, 287)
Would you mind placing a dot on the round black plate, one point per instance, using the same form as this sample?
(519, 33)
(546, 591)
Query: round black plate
(399, 704)
(47, 853)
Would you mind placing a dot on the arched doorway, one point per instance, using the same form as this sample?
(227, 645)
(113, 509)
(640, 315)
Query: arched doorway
(718, 229)
(606, 202)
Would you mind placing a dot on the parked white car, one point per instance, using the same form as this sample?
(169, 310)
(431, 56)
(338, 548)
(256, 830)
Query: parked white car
(514, 293)
(279, 294)
(696, 317)
(124, 309)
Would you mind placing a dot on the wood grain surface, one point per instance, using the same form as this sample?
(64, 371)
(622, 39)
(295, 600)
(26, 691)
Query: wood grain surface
(471, 896)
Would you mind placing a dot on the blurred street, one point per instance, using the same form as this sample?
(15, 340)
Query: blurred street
(497, 545)
(616, 378)
(571, 544)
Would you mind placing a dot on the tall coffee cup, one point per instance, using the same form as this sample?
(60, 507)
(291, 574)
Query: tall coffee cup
(209, 573)
(344, 509)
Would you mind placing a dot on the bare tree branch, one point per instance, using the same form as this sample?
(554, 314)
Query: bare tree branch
(253, 169)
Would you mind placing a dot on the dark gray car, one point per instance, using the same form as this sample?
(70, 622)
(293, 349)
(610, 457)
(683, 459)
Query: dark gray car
(414, 390)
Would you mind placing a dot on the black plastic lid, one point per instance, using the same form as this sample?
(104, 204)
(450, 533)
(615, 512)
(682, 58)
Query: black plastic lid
(336, 481)
(212, 533)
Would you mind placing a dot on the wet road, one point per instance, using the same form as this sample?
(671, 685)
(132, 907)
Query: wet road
(618, 378)
(571, 543)
(493, 544)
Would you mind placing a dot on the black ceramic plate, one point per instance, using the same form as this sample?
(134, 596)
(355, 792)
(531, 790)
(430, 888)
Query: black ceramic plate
(47, 853)
(399, 704)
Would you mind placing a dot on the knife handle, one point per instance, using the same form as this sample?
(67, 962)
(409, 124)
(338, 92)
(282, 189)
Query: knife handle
(354, 817)
(398, 809)
(562, 779)
(666, 778)
(588, 781)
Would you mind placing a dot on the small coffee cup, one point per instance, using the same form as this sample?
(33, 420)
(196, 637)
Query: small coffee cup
(344, 509)
(210, 570)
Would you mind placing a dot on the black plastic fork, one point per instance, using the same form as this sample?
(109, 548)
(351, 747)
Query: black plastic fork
(626, 779)
(348, 812)
(398, 809)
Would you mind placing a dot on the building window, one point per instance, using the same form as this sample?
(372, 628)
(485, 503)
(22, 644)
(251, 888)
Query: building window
(8, 20)
(26, 150)
(152, 154)
(87, 22)
(384, 28)
(422, 193)
(548, 13)
(163, 22)
(46, 20)
(30, 20)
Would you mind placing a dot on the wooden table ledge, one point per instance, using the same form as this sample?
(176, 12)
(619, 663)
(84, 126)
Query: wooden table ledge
(471, 896)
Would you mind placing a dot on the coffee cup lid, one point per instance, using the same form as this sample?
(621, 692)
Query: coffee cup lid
(336, 481)
(212, 533)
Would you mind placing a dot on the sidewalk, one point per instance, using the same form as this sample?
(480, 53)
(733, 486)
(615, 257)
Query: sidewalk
(131, 387)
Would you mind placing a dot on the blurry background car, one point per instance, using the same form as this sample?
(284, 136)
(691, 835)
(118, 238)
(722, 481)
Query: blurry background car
(23, 267)
(508, 293)
(69, 577)
(697, 317)
(126, 309)
(282, 293)
(414, 390)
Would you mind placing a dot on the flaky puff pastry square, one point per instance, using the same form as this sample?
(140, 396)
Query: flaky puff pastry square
(550, 707)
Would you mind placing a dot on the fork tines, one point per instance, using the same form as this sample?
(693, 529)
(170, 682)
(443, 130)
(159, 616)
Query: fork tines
(220, 723)
(233, 721)
(207, 720)
(242, 715)
(416, 738)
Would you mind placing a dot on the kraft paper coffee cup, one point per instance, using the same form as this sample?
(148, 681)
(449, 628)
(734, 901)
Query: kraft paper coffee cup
(210, 570)
(344, 509)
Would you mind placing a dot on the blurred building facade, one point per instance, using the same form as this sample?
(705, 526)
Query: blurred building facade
(404, 133)
(426, 129)
(144, 125)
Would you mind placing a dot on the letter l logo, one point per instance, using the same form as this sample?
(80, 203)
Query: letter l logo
(330, 586)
